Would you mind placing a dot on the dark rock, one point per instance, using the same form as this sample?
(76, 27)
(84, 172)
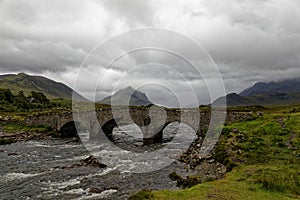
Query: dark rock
(92, 161)
(96, 190)
(111, 187)
(12, 154)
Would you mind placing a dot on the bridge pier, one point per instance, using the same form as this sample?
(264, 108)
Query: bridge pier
(155, 138)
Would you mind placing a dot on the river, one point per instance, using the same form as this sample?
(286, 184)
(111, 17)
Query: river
(48, 169)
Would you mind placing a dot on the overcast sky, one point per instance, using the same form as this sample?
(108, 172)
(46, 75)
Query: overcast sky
(250, 41)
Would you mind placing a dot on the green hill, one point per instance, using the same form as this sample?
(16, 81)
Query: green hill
(27, 83)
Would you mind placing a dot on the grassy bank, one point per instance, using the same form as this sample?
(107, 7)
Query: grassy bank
(262, 157)
(244, 182)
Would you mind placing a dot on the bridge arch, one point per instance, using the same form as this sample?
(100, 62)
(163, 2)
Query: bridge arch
(69, 129)
(159, 132)
(109, 126)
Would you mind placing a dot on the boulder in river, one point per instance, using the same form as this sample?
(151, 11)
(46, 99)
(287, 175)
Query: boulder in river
(92, 161)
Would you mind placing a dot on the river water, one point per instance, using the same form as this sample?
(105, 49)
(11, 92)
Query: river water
(49, 169)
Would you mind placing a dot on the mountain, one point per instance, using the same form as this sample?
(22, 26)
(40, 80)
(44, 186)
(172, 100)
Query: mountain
(27, 83)
(121, 97)
(6, 75)
(232, 99)
(267, 98)
(285, 86)
(273, 93)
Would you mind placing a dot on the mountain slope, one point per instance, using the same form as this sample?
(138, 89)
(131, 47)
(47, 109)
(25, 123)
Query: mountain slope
(232, 99)
(28, 83)
(285, 86)
(273, 93)
(267, 98)
(121, 97)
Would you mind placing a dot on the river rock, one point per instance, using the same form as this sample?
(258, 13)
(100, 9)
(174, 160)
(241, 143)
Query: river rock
(12, 154)
(92, 161)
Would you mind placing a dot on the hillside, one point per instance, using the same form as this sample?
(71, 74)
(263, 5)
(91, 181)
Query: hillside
(233, 99)
(285, 86)
(28, 83)
(273, 93)
(137, 98)
(267, 98)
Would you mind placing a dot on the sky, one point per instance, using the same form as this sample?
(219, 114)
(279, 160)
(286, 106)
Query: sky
(248, 40)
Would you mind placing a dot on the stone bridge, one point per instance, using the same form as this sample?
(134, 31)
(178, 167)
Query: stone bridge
(150, 120)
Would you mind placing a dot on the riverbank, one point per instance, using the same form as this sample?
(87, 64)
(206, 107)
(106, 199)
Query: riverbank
(11, 132)
(262, 158)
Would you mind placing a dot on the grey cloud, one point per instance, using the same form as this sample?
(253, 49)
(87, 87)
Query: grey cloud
(152, 66)
(135, 12)
(252, 39)
(35, 56)
(38, 36)
(249, 40)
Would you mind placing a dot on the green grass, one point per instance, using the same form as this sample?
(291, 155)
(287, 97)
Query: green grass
(263, 139)
(12, 128)
(279, 178)
(11, 114)
(238, 184)
(262, 157)
(144, 194)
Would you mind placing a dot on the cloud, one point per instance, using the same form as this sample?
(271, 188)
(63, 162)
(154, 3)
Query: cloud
(134, 12)
(37, 36)
(250, 41)
(38, 56)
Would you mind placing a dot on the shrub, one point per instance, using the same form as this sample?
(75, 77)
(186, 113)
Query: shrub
(220, 151)
(209, 179)
(187, 182)
(174, 176)
(230, 165)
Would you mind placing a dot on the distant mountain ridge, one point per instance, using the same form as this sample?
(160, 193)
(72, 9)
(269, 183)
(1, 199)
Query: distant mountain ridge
(121, 97)
(6, 75)
(285, 86)
(27, 83)
(272, 93)
(281, 92)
